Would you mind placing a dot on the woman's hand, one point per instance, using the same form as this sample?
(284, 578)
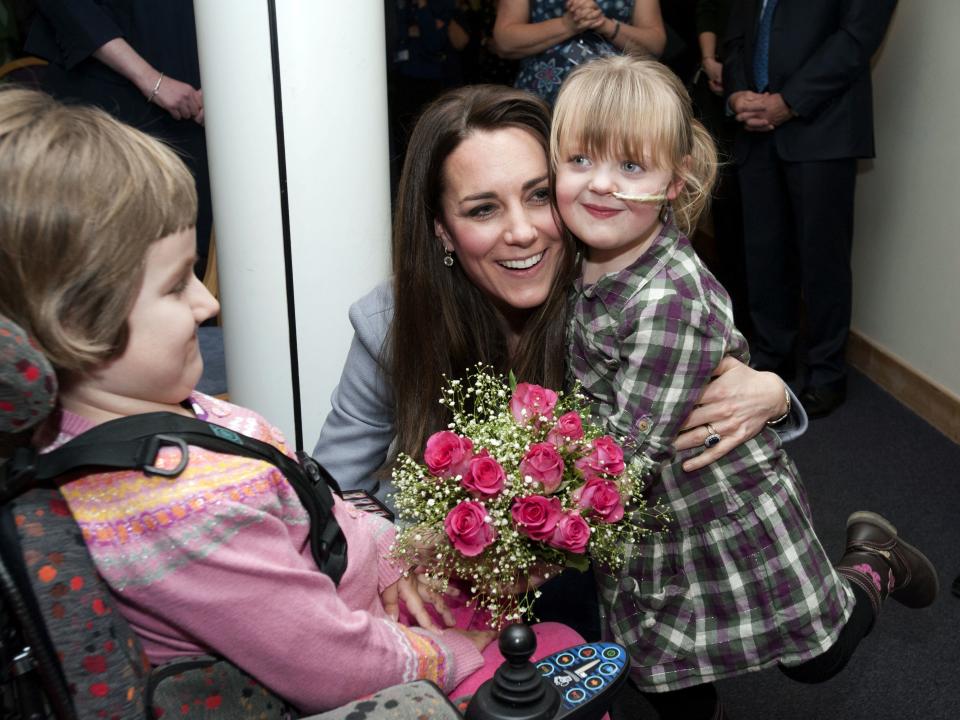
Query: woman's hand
(585, 14)
(182, 101)
(736, 405)
(198, 118)
(714, 70)
(415, 592)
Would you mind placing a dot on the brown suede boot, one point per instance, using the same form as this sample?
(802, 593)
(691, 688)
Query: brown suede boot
(882, 564)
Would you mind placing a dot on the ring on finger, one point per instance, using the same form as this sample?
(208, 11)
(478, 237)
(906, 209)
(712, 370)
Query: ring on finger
(713, 437)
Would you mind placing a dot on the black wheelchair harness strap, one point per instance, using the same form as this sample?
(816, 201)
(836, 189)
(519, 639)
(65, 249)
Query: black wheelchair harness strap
(134, 442)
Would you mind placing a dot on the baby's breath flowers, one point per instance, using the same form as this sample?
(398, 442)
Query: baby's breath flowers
(520, 483)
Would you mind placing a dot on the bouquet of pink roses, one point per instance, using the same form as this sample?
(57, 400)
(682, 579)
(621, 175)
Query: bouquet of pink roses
(520, 482)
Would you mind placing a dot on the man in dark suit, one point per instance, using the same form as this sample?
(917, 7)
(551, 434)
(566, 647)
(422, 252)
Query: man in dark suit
(797, 75)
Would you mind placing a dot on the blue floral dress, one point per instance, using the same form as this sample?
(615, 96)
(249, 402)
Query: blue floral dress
(543, 73)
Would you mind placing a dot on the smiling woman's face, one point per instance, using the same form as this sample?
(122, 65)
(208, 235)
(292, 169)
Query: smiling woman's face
(497, 219)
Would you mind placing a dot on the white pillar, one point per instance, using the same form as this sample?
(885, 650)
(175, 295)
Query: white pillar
(296, 120)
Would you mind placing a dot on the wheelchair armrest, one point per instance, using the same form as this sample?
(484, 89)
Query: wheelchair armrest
(410, 701)
(213, 684)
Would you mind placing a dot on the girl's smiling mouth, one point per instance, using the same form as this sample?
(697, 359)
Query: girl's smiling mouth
(601, 211)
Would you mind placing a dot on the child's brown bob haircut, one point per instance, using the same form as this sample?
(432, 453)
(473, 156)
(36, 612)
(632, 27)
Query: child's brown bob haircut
(633, 108)
(82, 197)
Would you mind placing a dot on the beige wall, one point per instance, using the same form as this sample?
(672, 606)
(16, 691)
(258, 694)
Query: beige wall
(906, 254)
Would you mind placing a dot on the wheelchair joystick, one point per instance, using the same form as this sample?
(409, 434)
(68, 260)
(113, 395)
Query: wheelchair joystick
(516, 691)
(574, 684)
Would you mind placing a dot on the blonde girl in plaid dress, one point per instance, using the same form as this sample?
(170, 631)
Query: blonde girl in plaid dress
(738, 580)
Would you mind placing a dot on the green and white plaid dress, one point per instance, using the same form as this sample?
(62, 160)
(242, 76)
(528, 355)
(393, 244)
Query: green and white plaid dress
(739, 580)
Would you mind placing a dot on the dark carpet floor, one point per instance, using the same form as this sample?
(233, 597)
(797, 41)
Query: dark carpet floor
(872, 454)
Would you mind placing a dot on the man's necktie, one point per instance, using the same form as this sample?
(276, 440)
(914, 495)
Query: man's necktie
(761, 54)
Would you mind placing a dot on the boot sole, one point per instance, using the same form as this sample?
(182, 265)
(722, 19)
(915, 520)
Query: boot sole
(880, 521)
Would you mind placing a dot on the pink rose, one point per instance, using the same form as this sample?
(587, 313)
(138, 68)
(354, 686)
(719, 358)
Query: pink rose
(543, 464)
(536, 516)
(530, 402)
(448, 454)
(602, 497)
(484, 476)
(606, 457)
(571, 533)
(468, 528)
(569, 427)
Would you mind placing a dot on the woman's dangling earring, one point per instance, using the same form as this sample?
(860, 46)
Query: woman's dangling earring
(442, 239)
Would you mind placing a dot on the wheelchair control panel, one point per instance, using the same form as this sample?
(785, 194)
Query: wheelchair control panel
(577, 683)
(584, 672)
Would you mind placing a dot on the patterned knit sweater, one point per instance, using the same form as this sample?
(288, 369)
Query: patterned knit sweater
(218, 561)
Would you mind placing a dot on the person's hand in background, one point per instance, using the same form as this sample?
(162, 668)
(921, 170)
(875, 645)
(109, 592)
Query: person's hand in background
(182, 101)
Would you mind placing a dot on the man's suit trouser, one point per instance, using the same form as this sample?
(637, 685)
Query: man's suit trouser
(798, 232)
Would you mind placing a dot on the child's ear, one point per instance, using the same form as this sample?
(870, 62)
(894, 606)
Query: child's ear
(676, 185)
(674, 188)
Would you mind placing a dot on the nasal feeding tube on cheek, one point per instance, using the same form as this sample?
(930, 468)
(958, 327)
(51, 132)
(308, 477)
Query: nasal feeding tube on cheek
(646, 197)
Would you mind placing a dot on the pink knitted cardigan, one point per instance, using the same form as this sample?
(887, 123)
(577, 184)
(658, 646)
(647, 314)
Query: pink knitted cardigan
(218, 561)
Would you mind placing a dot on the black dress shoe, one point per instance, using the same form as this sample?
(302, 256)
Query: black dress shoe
(821, 400)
